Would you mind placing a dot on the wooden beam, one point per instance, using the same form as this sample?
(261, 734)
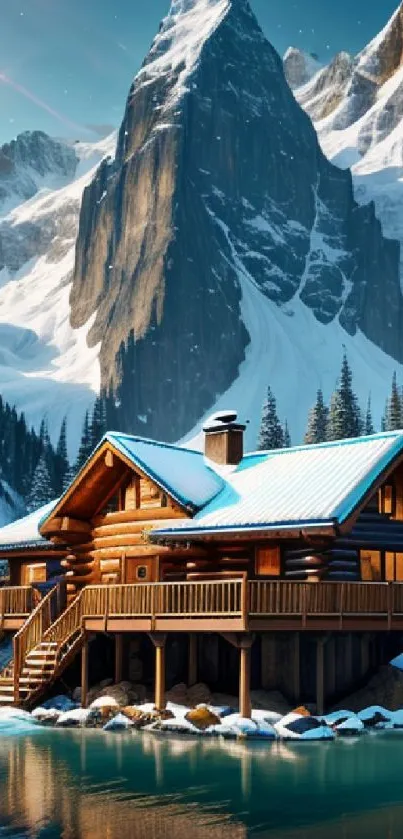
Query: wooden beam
(158, 513)
(320, 686)
(192, 659)
(159, 641)
(245, 706)
(84, 672)
(118, 658)
(109, 462)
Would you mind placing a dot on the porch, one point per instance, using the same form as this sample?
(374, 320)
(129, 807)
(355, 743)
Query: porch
(242, 605)
(16, 603)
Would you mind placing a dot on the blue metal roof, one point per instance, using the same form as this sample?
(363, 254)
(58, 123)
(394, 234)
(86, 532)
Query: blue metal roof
(307, 486)
(182, 473)
(24, 533)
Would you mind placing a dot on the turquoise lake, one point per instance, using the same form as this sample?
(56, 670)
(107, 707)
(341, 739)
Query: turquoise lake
(98, 786)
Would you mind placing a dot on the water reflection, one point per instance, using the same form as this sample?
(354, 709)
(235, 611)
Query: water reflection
(96, 786)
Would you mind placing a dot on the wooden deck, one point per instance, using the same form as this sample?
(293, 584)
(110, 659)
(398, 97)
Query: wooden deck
(15, 606)
(241, 606)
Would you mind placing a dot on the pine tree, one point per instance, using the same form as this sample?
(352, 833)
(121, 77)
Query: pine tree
(41, 490)
(68, 479)
(393, 411)
(317, 421)
(61, 459)
(287, 436)
(369, 425)
(85, 445)
(344, 413)
(98, 422)
(271, 434)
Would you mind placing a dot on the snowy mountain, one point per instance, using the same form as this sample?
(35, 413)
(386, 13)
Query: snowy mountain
(46, 368)
(359, 120)
(220, 251)
(299, 67)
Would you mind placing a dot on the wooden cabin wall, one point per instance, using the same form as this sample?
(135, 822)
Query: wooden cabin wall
(27, 569)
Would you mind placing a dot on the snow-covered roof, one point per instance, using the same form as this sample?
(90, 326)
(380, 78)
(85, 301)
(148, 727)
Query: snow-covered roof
(24, 533)
(308, 486)
(183, 473)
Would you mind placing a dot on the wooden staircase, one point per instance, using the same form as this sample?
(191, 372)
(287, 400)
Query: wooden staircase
(42, 650)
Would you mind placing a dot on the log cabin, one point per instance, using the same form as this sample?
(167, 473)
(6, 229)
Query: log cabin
(283, 566)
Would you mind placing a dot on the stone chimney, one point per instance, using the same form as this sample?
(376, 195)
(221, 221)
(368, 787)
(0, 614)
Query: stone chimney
(223, 442)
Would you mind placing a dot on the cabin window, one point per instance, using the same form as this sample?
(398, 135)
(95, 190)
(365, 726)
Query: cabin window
(394, 567)
(267, 562)
(371, 566)
(387, 500)
(35, 573)
(142, 572)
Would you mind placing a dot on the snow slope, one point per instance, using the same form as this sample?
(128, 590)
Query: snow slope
(46, 367)
(296, 355)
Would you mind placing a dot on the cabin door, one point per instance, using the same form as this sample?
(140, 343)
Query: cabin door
(141, 570)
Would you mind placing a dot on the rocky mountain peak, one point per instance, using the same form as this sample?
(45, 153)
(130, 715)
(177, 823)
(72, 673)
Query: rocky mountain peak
(325, 92)
(219, 202)
(384, 54)
(300, 67)
(28, 160)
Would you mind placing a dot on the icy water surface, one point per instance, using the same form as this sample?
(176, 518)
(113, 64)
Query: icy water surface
(92, 785)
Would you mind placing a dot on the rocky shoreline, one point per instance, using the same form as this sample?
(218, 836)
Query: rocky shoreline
(196, 712)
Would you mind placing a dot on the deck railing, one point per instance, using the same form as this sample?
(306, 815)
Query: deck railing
(15, 601)
(211, 599)
(282, 598)
(31, 633)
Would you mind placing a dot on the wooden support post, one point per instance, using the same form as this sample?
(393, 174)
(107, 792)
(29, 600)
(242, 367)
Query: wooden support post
(245, 706)
(159, 641)
(295, 667)
(118, 658)
(320, 686)
(192, 659)
(84, 673)
(243, 642)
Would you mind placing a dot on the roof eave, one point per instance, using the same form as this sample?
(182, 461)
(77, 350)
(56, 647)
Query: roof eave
(301, 530)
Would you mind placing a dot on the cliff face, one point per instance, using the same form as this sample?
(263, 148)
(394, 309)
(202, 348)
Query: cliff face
(218, 179)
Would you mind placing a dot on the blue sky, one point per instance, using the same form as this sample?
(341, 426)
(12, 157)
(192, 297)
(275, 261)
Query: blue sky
(69, 63)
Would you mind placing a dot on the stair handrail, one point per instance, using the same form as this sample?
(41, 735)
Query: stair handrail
(67, 623)
(30, 634)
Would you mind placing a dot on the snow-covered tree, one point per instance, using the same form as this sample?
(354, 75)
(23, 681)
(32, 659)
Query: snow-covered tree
(344, 413)
(61, 459)
(98, 422)
(316, 431)
(394, 411)
(41, 489)
(85, 444)
(271, 434)
(369, 425)
(287, 436)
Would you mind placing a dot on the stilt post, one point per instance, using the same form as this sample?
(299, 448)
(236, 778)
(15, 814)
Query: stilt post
(320, 684)
(245, 704)
(159, 641)
(84, 672)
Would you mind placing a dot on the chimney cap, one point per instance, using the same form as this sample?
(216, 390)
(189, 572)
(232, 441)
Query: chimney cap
(223, 420)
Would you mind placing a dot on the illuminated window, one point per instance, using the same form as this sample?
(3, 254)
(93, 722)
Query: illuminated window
(371, 565)
(394, 567)
(267, 562)
(387, 500)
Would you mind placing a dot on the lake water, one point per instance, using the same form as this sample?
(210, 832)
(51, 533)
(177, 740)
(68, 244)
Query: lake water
(96, 786)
